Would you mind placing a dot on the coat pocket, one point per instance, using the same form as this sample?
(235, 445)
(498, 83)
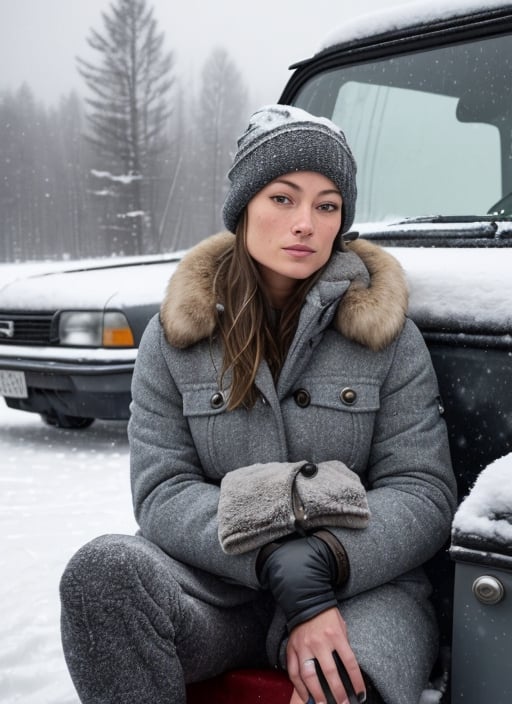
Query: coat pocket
(334, 418)
(226, 440)
(202, 404)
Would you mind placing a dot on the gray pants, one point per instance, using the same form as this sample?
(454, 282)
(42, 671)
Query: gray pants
(132, 632)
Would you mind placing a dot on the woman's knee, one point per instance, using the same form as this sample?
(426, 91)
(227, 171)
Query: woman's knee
(104, 558)
(115, 624)
(121, 573)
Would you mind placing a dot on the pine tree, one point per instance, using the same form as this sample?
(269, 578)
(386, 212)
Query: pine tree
(71, 154)
(24, 178)
(221, 117)
(43, 213)
(127, 116)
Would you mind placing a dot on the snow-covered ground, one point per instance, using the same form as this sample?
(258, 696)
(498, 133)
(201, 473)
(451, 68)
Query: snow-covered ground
(59, 488)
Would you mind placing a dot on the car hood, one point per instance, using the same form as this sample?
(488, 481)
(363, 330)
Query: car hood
(466, 290)
(92, 287)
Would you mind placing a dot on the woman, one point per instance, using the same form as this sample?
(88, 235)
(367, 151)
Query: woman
(290, 467)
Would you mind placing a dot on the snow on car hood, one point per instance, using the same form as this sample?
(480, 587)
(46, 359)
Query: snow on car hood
(88, 288)
(405, 15)
(465, 289)
(457, 289)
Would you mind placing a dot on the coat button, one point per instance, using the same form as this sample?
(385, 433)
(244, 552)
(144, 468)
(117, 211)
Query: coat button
(302, 398)
(348, 396)
(217, 400)
(308, 470)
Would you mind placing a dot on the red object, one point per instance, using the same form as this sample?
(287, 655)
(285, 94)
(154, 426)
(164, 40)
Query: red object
(242, 687)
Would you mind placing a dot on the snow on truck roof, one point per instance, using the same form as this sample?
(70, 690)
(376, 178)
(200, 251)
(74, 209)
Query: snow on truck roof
(406, 15)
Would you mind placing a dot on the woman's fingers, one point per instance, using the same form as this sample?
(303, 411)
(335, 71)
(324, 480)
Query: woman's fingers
(313, 685)
(296, 672)
(296, 699)
(317, 640)
(353, 681)
(340, 669)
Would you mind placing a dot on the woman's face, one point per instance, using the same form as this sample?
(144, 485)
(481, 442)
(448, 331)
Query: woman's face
(291, 227)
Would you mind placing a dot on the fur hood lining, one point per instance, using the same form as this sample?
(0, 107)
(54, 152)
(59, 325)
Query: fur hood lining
(372, 316)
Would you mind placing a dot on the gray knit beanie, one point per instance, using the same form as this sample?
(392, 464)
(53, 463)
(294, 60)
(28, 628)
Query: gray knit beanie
(281, 139)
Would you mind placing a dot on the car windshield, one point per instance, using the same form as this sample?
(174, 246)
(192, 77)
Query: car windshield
(431, 130)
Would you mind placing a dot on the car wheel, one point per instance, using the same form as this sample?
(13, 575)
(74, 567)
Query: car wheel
(60, 420)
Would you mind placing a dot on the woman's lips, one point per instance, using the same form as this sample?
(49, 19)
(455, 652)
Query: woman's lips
(299, 251)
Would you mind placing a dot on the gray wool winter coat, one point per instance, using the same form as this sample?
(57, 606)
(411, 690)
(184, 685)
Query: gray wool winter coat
(353, 335)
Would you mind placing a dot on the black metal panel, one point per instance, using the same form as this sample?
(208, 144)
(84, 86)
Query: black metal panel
(476, 388)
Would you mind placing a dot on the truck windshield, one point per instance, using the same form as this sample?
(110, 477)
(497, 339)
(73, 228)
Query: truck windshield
(431, 130)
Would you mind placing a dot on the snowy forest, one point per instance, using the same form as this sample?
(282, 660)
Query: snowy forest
(137, 166)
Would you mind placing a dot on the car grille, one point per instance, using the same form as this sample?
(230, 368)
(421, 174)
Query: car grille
(33, 329)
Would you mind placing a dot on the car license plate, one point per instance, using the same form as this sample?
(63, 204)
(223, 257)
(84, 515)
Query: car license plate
(13, 384)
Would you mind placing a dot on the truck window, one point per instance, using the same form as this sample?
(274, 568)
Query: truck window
(431, 130)
(414, 156)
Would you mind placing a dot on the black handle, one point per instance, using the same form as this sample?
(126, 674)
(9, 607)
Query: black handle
(347, 682)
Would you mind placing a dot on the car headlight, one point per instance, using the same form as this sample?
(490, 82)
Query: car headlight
(95, 329)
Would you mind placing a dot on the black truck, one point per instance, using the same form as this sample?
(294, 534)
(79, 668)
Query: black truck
(424, 96)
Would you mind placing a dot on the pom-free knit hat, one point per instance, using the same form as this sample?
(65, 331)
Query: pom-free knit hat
(281, 139)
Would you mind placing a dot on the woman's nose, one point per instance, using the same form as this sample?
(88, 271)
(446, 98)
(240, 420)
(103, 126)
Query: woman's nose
(303, 224)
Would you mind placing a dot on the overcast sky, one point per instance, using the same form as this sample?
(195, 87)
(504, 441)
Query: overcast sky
(39, 39)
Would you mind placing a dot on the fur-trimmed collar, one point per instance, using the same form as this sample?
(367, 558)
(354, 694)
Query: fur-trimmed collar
(371, 315)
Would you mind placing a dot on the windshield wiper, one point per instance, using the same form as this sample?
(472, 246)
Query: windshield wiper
(458, 231)
(454, 219)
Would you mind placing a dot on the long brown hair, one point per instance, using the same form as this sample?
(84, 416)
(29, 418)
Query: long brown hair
(250, 330)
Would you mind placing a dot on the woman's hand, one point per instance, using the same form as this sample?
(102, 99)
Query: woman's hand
(317, 638)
